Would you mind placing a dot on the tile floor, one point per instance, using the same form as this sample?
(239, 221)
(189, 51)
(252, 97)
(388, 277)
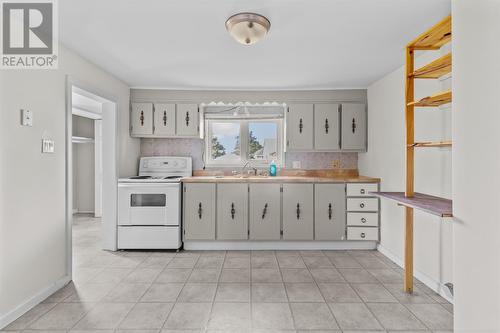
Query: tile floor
(233, 291)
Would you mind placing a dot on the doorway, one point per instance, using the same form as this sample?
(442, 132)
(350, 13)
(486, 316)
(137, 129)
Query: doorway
(91, 166)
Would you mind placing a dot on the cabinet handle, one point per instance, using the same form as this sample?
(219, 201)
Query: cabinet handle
(141, 118)
(200, 210)
(164, 118)
(363, 220)
(298, 211)
(187, 118)
(362, 235)
(362, 191)
(264, 211)
(301, 125)
(329, 211)
(353, 125)
(233, 211)
(362, 205)
(326, 126)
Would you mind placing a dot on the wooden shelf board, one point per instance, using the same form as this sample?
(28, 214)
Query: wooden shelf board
(432, 144)
(434, 100)
(435, 69)
(433, 38)
(428, 203)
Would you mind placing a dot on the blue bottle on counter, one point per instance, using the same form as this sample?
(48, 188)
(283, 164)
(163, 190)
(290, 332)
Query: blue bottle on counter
(273, 169)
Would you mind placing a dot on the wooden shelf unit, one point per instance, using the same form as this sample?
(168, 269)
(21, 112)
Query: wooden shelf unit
(432, 39)
(438, 99)
(435, 69)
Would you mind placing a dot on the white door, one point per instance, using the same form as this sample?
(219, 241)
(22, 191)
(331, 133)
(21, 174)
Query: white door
(326, 127)
(265, 211)
(164, 119)
(298, 211)
(142, 119)
(187, 120)
(353, 127)
(299, 127)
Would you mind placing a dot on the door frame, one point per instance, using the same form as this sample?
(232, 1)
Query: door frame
(109, 162)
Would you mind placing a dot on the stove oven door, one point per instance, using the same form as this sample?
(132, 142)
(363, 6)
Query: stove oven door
(149, 204)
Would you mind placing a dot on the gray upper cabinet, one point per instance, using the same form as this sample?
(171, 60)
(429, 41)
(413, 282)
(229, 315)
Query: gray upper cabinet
(326, 127)
(353, 127)
(232, 211)
(141, 119)
(300, 127)
(187, 120)
(199, 211)
(164, 119)
(329, 211)
(265, 211)
(298, 211)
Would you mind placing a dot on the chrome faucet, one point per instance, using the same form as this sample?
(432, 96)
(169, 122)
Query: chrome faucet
(245, 166)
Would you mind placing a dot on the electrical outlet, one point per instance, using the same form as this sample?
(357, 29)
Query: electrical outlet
(26, 118)
(47, 146)
(336, 164)
(296, 165)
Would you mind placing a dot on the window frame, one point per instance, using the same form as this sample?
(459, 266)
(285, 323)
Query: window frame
(244, 142)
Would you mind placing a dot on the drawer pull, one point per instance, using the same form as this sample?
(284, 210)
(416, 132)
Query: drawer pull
(298, 211)
(264, 211)
(363, 220)
(233, 211)
(362, 205)
(199, 211)
(362, 235)
(362, 191)
(329, 211)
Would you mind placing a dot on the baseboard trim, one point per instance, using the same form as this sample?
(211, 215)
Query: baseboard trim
(280, 245)
(9, 317)
(437, 286)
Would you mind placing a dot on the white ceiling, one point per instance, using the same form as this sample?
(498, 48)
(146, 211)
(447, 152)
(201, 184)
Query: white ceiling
(183, 44)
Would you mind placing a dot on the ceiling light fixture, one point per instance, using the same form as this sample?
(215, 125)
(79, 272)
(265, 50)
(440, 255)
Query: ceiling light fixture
(248, 28)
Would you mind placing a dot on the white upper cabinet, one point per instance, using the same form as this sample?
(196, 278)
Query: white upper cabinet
(187, 120)
(141, 119)
(164, 119)
(326, 127)
(353, 127)
(299, 127)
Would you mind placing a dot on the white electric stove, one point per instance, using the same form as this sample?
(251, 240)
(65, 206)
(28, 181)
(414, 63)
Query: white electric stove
(149, 205)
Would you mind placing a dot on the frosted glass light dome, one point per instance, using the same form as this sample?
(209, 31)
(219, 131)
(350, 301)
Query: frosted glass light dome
(248, 28)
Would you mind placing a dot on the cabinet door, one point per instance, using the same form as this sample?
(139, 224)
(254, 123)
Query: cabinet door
(298, 211)
(164, 115)
(300, 127)
(187, 120)
(329, 211)
(232, 211)
(353, 127)
(326, 127)
(265, 211)
(142, 119)
(199, 211)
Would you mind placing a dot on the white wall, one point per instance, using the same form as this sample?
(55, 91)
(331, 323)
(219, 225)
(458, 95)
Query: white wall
(32, 220)
(476, 164)
(83, 166)
(386, 159)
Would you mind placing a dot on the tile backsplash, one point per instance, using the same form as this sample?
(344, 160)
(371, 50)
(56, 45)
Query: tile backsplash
(194, 148)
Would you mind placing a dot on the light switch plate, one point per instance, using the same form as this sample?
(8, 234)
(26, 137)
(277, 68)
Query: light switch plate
(26, 117)
(47, 146)
(296, 165)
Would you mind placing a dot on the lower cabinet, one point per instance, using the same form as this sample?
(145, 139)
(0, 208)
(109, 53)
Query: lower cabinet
(232, 211)
(199, 211)
(329, 212)
(298, 211)
(265, 211)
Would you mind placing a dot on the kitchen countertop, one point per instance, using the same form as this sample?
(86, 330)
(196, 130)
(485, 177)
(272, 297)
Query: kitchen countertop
(280, 179)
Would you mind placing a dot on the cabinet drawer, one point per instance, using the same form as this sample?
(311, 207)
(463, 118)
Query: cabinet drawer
(362, 204)
(361, 190)
(362, 233)
(362, 219)
(148, 237)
